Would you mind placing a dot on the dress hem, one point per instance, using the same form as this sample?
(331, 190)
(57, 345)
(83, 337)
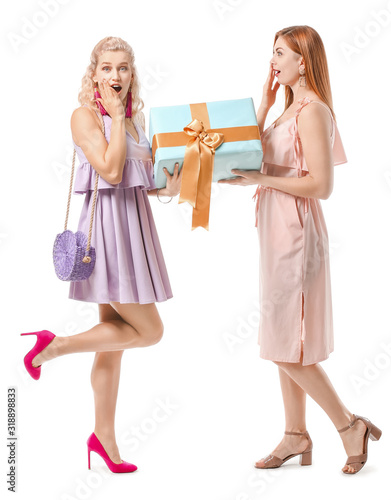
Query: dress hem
(127, 302)
(270, 358)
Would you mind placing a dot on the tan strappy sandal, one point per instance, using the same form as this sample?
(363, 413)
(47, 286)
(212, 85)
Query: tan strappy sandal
(372, 432)
(272, 462)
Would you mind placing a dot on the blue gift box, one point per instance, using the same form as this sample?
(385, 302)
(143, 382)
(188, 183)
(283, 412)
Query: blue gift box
(241, 148)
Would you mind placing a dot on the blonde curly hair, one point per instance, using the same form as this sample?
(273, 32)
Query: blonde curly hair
(86, 94)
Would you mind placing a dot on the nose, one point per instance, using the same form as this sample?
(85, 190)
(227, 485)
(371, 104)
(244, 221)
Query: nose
(115, 75)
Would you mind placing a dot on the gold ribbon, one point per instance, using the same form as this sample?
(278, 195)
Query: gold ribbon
(231, 134)
(199, 157)
(198, 171)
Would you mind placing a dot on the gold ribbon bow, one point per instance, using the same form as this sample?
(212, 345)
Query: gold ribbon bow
(197, 167)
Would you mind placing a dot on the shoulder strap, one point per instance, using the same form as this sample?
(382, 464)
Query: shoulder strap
(86, 258)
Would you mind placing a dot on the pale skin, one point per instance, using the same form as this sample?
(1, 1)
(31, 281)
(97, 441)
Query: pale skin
(121, 326)
(314, 128)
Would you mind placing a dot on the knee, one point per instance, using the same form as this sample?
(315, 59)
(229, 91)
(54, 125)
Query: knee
(153, 335)
(157, 333)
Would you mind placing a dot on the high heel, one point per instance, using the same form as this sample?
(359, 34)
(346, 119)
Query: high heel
(272, 462)
(372, 432)
(44, 337)
(93, 444)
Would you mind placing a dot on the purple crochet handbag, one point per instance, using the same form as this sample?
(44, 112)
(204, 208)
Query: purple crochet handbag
(73, 256)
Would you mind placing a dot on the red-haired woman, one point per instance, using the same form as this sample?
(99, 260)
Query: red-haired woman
(296, 327)
(130, 273)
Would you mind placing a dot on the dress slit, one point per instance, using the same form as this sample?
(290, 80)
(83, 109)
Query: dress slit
(302, 318)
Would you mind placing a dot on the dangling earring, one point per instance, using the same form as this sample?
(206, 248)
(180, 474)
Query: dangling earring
(302, 79)
(97, 95)
(128, 113)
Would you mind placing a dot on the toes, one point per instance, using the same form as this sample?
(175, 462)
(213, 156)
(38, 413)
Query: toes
(348, 469)
(35, 364)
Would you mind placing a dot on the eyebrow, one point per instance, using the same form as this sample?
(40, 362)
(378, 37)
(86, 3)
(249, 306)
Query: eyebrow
(125, 62)
(278, 48)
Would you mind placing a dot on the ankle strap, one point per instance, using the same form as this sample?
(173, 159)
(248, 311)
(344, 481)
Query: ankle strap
(352, 422)
(296, 433)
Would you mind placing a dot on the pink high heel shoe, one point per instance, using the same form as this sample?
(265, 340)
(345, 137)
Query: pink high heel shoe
(94, 444)
(44, 338)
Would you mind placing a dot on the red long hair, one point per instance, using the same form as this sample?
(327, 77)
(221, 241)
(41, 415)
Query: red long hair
(306, 42)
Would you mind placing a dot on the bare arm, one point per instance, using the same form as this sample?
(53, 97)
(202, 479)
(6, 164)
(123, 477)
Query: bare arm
(270, 89)
(314, 128)
(261, 117)
(107, 159)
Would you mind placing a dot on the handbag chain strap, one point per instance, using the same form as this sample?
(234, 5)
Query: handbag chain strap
(86, 258)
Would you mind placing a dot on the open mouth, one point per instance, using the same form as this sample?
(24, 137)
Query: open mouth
(276, 72)
(117, 88)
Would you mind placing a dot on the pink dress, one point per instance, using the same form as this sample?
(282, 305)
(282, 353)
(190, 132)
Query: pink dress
(295, 286)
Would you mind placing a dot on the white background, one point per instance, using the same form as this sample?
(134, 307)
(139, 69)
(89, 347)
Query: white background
(226, 405)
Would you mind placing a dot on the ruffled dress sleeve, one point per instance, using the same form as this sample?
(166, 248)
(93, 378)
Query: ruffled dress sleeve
(136, 173)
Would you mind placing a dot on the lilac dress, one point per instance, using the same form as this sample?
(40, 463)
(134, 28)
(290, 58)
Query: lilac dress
(129, 265)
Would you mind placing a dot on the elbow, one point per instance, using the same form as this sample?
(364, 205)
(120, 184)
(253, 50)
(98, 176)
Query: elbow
(325, 193)
(115, 179)
(114, 176)
(324, 189)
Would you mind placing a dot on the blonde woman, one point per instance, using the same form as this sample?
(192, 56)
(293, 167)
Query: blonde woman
(130, 273)
(300, 150)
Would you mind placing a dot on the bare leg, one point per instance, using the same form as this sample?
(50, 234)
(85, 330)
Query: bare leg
(105, 376)
(136, 325)
(315, 382)
(294, 404)
(121, 326)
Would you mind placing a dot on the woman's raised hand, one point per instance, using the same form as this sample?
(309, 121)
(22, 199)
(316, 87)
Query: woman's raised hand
(110, 100)
(269, 92)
